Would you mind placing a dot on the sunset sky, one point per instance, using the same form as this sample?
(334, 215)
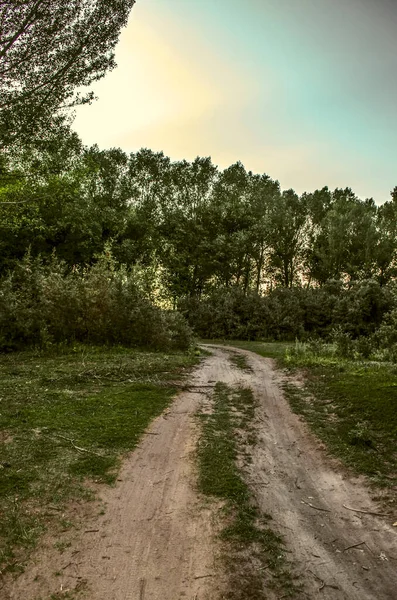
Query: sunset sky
(303, 90)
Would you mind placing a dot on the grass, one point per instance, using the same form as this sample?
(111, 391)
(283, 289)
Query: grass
(67, 418)
(350, 404)
(255, 554)
(239, 361)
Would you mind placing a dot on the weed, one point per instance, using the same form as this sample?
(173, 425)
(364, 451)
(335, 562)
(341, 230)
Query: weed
(61, 546)
(239, 361)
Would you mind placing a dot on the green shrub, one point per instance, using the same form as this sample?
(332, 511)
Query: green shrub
(343, 343)
(42, 304)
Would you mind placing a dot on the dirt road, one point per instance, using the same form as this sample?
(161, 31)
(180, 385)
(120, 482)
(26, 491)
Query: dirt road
(156, 539)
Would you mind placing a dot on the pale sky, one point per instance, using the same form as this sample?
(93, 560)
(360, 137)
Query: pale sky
(303, 90)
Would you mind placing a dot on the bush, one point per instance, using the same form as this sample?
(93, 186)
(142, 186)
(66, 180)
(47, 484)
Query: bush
(344, 345)
(41, 304)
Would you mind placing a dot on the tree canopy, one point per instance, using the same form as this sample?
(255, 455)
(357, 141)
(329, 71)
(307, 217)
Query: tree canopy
(48, 50)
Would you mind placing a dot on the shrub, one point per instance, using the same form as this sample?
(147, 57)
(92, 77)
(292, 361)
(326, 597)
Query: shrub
(42, 304)
(343, 343)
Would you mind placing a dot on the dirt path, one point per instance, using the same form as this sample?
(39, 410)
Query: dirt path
(156, 538)
(290, 471)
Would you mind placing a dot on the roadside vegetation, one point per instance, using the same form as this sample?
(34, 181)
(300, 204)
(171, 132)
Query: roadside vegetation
(66, 419)
(350, 403)
(254, 553)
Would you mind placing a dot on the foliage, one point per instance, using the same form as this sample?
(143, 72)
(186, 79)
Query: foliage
(238, 256)
(200, 228)
(47, 303)
(347, 312)
(48, 49)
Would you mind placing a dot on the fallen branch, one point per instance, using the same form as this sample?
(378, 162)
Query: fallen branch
(353, 546)
(91, 530)
(318, 579)
(142, 587)
(316, 507)
(79, 448)
(365, 512)
(194, 387)
(323, 584)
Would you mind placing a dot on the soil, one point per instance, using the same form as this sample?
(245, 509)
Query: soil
(156, 539)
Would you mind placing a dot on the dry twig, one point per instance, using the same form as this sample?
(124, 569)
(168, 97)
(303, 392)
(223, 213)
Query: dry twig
(63, 437)
(353, 546)
(365, 512)
(316, 507)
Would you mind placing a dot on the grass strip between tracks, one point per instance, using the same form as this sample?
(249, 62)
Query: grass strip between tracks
(254, 553)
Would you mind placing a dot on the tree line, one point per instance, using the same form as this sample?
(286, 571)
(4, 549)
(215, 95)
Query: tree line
(195, 226)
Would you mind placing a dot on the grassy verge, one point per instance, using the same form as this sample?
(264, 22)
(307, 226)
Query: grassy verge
(350, 404)
(66, 418)
(255, 554)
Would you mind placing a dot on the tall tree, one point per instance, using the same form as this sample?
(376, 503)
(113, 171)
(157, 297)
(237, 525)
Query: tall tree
(386, 250)
(48, 49)
(288, 220)
(263, 194)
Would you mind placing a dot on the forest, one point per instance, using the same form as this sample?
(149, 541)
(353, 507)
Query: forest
(84, 231)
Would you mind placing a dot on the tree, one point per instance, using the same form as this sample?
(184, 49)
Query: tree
(187, 228)
(231, 209)
(288, 220)
(386, 251)
(263, 194)
(48, 49)
(343, 236)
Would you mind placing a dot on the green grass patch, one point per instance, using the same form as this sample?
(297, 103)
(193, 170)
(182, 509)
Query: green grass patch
(66, 418)
(352, 406)
(255, 554)
(239, 361)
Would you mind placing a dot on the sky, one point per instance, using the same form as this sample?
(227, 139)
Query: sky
(303, 90)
